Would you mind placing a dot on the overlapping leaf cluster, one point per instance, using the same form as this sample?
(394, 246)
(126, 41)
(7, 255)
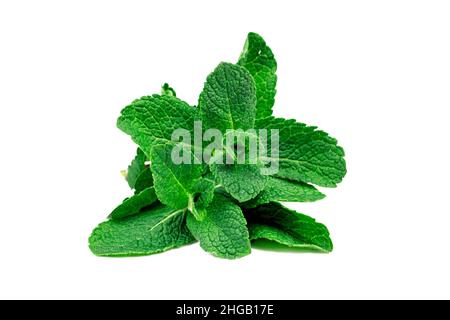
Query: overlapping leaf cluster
(223, 206)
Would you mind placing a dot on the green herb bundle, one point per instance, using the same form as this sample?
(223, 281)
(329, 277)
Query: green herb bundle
(223, 206)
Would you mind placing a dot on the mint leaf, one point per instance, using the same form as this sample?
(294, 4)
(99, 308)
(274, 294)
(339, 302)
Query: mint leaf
(228, 100)
(223, 232)
(156, 230)
(242, 181)
(278, 189)
(154, 118)
(259, 60)
(143, 181)
(241, 178)
(305, 153)
(136, 168)
(203, 194)
(277, 223)
(134, 204)
(178, 185)
(168, 90)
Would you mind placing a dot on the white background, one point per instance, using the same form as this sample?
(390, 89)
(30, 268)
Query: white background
(374, 74)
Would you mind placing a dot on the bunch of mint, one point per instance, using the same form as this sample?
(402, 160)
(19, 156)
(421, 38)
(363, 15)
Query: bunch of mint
(223, 205)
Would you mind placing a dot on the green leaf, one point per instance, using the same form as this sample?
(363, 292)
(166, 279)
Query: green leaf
(241, 177)
(223, 232)
(242, 181)
(154, 118)
(305, 153)
(203, 194)
(228, 100)
(168, 90)
(178, 185)
(278, 189)
(259, 60)
(156, 230)
(144, 180)
(277, 223)
(137, 168)
(134, 204)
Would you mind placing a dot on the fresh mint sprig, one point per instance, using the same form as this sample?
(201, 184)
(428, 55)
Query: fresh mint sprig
(223, 205)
